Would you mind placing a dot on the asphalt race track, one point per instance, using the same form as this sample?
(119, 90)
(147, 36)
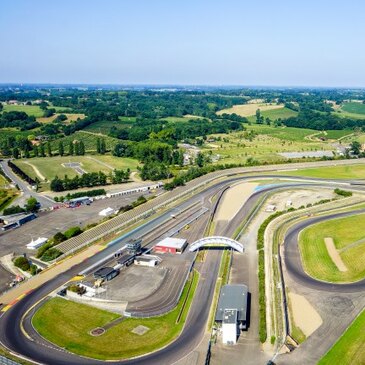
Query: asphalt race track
(293, 262)
(14, 338)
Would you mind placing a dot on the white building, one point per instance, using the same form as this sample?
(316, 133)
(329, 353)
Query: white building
(147, 260)
(37, 243)
(106, 212)
(171, 245)
(229, 327)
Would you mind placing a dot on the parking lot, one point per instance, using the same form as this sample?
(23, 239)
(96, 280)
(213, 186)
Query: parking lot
(49, 223)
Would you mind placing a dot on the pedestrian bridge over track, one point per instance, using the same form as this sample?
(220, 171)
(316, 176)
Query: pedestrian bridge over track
(216, 241)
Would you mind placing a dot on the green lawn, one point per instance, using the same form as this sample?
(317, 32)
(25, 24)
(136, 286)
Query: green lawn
(68, 324)
(345, 232)
(334, 172)
(49, 167)
(350, 348)
(29, 109)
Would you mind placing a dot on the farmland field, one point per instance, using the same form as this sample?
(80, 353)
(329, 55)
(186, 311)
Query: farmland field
(349, 349)
(353, 107)
(355, 110)
(68, 324)
(34, 110)
(245, 110)
(89, 138)
(71, 117)
(103, 127)
(47, 168)
(274, 114)
(235, 148)
(349, 240)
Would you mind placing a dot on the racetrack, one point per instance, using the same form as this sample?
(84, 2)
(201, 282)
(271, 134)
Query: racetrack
(293, 262)
(12, 336)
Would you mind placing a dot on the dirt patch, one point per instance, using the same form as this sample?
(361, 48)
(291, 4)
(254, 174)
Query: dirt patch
(335, 256)
(245, 110)
(304, 315)
(140, 330)
(233, 199)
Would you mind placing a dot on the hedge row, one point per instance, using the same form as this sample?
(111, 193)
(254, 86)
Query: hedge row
(261, 275)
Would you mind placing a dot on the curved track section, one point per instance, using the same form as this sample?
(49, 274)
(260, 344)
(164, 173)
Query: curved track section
(14, 338)
(293, 261)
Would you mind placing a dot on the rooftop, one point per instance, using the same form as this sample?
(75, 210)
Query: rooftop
(171, 242)
(232, 297)
(230, 316)
(103, 272)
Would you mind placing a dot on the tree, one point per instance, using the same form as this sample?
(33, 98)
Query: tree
(41, 150)
(61, 150)
(32, 205)
(81, 148)
(22, 262)
(258, 116)
(58, 238)
(57, 184)
(355, 147)
(98, 149)
(102, 146)
(16, 152)
(35, 151)
(49, 149)
(200, 159)
(71, 148)
(1, 107)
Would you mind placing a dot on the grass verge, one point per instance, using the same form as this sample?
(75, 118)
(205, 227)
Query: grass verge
(350, 348)
(67, 324)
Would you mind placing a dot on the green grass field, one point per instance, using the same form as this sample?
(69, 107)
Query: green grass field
(350, 348)
(89, 138)
(103, 127)
(283, 113)
(49, 167)
(355, 110)
(34, 110)
(333, 172)
(349, 238)
(68, 324)
(353, 107)
(234, 148)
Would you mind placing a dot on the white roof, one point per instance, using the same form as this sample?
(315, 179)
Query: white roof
(107, 211)
(172, 242)
(37, 243)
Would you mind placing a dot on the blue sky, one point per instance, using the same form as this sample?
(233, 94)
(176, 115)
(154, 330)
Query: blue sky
(230, 42)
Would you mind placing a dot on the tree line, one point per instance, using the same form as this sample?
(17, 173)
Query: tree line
(90, 179)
